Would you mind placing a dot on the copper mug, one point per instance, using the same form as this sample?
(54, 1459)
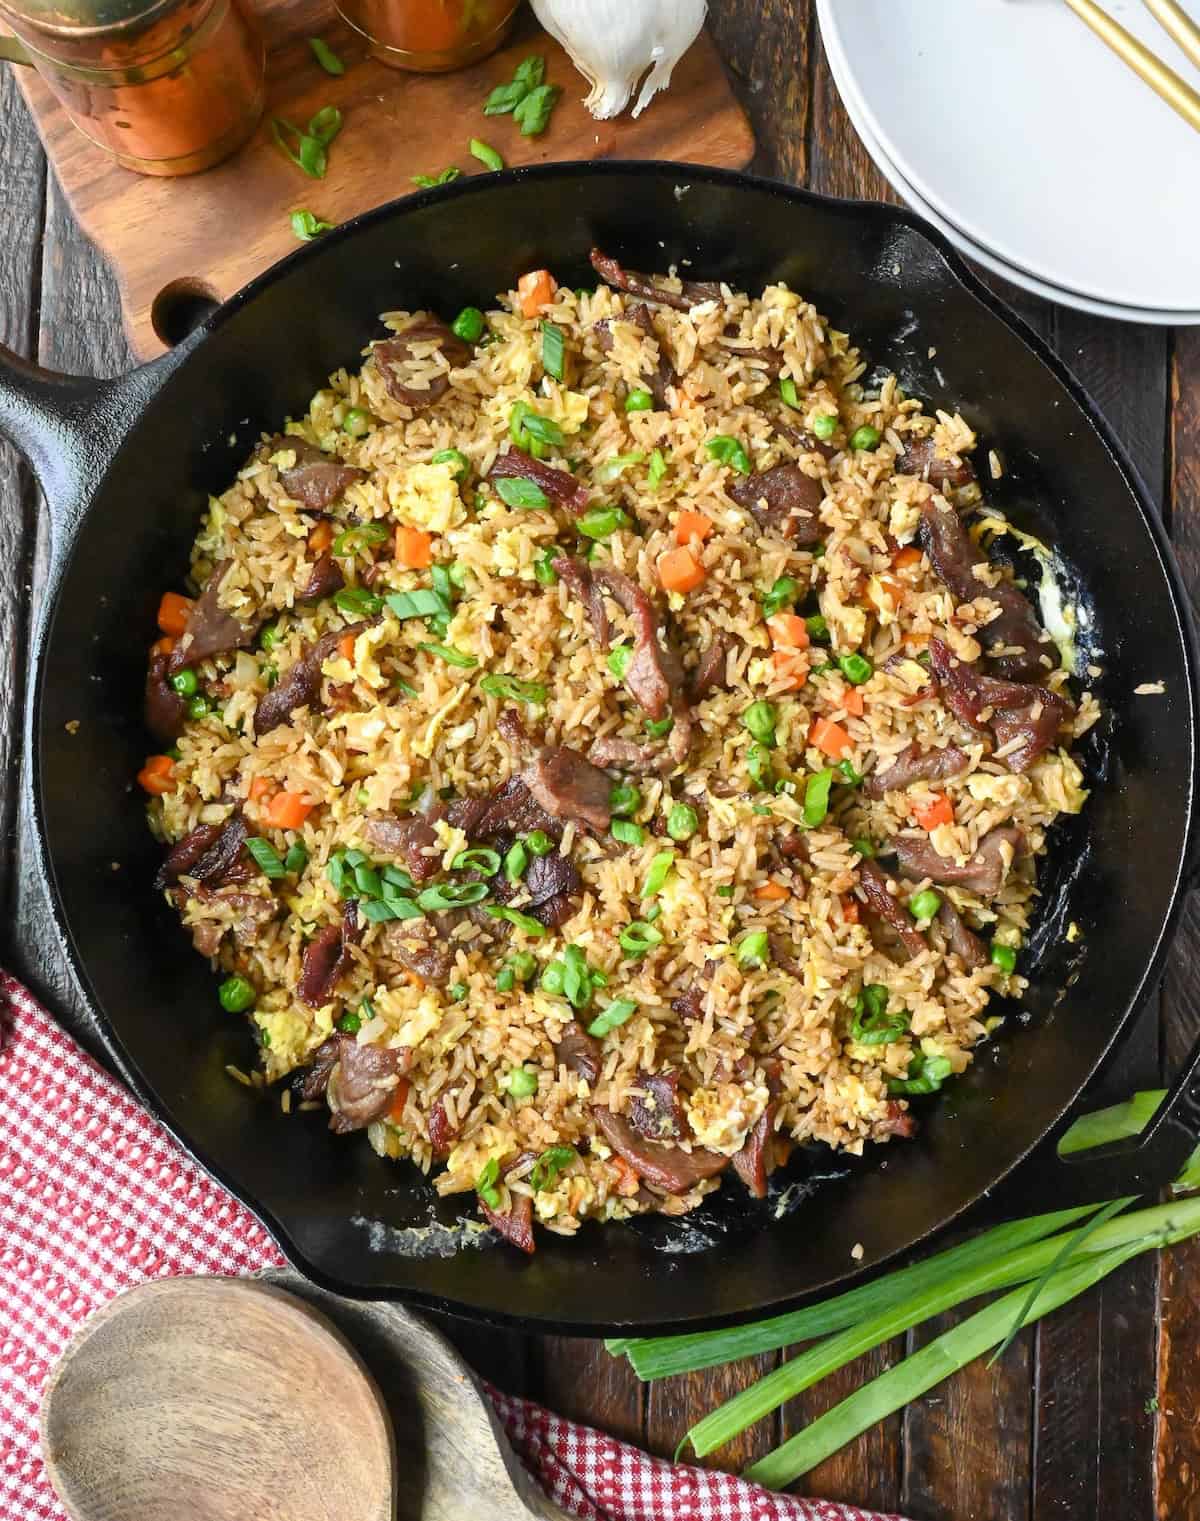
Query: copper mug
(166, 86)
(430, 36)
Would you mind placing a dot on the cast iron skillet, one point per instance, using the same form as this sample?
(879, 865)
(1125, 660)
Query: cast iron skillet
(126, 465)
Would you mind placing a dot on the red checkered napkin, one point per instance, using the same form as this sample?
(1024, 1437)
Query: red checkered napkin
(95, 1197)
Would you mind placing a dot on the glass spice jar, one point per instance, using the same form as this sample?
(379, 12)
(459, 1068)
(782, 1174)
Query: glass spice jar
(167, 87)
(430, 36)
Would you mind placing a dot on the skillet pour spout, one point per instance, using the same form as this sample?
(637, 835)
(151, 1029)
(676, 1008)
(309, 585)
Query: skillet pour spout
(127, 466)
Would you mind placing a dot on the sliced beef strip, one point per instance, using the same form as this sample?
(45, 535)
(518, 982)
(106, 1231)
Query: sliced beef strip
(577, 576)
(656, 1112)
(954, 554)
(1007, 710)
(648, 288)
(663, 375)
(186, 852)
(801, 438)
(550, 876)
(516, 1224)
(209, 629)
(898, 1121)
(579, 1052)
(164, 710)
(393, 354)
(961, 939)
(508, 808)
(361, 1087)
(983, 873)
(442, 1134)
(326, 958)
(689, 1006)
(568, 786)
(709, 675)
(920, 457)
(465, 813)
(890, 910)
(317, 479)
(755, 1162)
(560, 486)
(655, 674)
(324, 579)
(630, 756)
(916, 765)
(783, 955)
(670, 1168)
(412, 838)
(310, 1083)
(421, 945)
(782, 500)
(226, 860)
(300, 684)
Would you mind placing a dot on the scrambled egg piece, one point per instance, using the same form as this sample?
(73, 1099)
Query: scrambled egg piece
(411, 1025)
(1058, 782)
(720, 1117)
(426, 496)
(289, 1037)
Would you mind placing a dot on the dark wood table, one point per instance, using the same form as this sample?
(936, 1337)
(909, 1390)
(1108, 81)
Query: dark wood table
(1096, 1412)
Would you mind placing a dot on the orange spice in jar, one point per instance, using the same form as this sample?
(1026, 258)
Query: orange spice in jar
(167, 87)
(430, 36)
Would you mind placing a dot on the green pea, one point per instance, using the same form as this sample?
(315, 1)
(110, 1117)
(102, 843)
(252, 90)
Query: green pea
(925, 904)
(543, 568)
(236, 995)
(824, 425)
(552, 978)
(602, 522)
(818, 629)
(759, 718)
(521, 1083)
(1005, 957)
(198, 707)
(468, 325)
(505, 980)
(268, 636)
(865, 437)
(186, 683)
(356, 421)
(856, 669)
(682, 821)
(639, 401)
(619, 658)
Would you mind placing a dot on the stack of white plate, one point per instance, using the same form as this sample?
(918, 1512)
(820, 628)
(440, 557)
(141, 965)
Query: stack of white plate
(1037, 152)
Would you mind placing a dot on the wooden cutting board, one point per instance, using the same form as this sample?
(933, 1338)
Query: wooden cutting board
(171, 241)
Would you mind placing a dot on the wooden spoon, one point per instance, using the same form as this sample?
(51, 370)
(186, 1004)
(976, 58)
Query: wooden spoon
(220, 1399)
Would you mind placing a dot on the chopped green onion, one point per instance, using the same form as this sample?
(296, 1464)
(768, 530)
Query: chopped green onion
(455, 457)
(855, 668)
(396, 876)
(577, 977)
(602, 522)
(468, 325)
(682, 822)
(660, 870)
(186, 683)
(817, 797)
(406, 687)
(729, 452)
(863, 847)
(548, 1166)
(428, 181)
(307, 226)
(357, 601)
(532, 114)
(326, 57)
(782, 594)
(753, 950)
(639, 937)
(269, 636)
(543, 568)
(520, 493)
(759, 718)
(450, 655)
(1005, 957)
(925, 1074)
(368, 881)
(639, 401)
(552, 978)
(553, 350)
(618, 660)
(477, 858)
(853, 777)
(236, 995)
(502, 685)
(525, 922)
(356, 421)
(613, 1017)
(624, 799)
(539, 842)
(266, 858)
(657, 469)
(516, 862)
(787, 389)
(351, 540)
(725, 891)
(520, 1082)
(824, 425)
(656, 728)
(485, 1183)
(925, 904)
(758, 764)
(296, 859)
(865, 437)
(485, 153)
(451, 895)
(616, 466)
(457, 991)
(871, 1025)
(627, 832)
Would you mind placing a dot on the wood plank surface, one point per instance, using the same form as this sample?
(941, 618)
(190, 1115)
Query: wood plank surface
(1065, 1427)
(158, 233)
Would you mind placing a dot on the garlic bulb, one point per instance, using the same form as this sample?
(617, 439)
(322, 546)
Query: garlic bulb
(613, 43)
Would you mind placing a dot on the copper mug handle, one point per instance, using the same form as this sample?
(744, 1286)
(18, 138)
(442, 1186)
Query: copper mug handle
(13, 51)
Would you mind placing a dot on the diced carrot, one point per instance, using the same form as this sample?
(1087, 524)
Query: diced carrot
(173, 613)
(162, 646)
(536, 290)
(830, 738)
(939, 810)
(414, 547)
(915, 640)
(629, 1179)
(853, 702)
(157, 776)
(849, 910)
(414, 977)
(905, 559)
(288, 810)
(791, 666)
(788, 631)
(261, 787)
(321, 537)
(692, 525)
(680, 571)
(771, 892)
(346, 646)
(399, 1099)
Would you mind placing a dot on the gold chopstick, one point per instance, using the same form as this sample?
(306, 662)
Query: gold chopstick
(1176, 22)
(1165, 83)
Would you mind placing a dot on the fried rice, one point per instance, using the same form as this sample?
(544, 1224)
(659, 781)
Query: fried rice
(580, 999)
